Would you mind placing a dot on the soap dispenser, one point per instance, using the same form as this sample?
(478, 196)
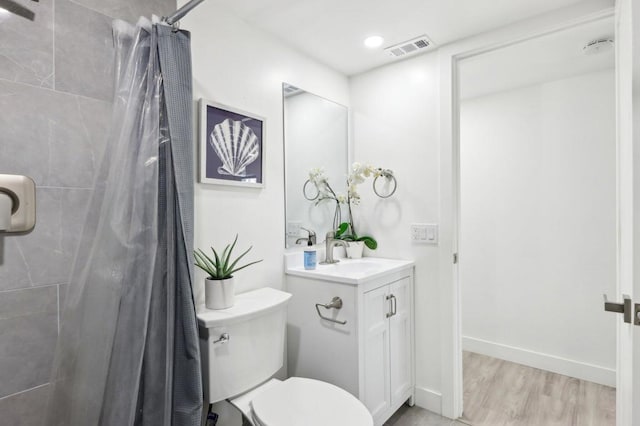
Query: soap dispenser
(310, 256)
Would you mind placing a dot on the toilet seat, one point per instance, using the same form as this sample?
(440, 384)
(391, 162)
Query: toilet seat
(301, 402)
(298, 401)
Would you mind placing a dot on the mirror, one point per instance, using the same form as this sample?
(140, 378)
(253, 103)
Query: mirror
(315, 135)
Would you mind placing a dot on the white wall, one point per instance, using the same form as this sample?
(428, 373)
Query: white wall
(237, 65)
(538, 225)
(395, 125)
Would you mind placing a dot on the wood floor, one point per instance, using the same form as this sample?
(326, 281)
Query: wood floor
(501, 393)
(416, 416)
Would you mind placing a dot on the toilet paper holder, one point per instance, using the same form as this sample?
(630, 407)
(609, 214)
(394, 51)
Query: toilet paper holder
(336, 303)
(17, 203)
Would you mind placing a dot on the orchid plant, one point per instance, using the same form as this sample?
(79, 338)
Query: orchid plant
(318, 178)
(359, 173)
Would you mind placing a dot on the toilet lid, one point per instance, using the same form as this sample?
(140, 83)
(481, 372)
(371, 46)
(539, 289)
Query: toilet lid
(309, 402)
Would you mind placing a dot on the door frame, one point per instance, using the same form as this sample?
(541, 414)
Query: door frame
(628, 138)
(449, 285)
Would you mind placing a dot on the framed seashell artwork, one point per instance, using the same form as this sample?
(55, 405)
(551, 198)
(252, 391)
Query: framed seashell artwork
(231, 146)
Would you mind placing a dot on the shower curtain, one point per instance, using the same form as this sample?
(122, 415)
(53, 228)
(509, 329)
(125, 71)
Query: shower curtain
(128, 349)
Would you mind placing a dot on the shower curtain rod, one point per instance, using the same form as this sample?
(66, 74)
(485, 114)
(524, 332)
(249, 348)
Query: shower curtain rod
(178, 14)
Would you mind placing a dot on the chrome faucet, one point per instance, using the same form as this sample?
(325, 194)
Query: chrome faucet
(330, 242)
(312, 237)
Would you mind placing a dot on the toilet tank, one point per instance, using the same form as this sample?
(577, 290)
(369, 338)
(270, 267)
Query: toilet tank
(255, 326)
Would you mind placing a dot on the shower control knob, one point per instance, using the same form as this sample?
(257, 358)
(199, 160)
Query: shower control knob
(224, 338)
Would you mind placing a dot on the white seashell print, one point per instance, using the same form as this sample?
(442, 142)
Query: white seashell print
(236, 146)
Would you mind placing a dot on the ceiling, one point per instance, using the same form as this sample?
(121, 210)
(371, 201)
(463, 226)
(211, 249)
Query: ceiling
(332, 31)
(552, 57)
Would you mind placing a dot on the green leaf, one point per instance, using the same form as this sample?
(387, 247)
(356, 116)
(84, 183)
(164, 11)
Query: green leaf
(225, 253)
(201, 266)
(369, 242)
(226, 260)
(248, 264)
(217, 263)
(206, 260)
(342, 228)
(202, 263)
(233, 265)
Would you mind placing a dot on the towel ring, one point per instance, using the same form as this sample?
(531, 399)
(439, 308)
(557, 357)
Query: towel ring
(389, 177)
(305, 191)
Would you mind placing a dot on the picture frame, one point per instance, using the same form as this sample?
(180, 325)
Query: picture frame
(231, 146)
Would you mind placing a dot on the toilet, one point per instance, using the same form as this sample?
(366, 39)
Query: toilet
(243, 347)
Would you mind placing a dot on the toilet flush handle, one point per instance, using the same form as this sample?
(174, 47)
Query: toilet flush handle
(224, 338)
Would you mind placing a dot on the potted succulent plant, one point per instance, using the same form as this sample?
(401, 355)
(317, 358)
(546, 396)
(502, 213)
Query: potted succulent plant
(219, 285)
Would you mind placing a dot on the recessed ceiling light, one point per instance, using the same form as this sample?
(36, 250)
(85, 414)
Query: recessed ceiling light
(373, 41)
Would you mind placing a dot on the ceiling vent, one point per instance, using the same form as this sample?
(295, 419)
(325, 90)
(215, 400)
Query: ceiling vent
(418, 44)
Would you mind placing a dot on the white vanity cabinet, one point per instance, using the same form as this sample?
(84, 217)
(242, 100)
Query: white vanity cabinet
(371, 355)
(387, 329)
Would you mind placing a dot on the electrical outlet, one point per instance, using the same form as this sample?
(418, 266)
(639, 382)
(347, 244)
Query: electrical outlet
(424, 233)
(293, 228)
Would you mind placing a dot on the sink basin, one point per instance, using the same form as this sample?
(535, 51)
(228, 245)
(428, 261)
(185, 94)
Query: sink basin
(349, 271)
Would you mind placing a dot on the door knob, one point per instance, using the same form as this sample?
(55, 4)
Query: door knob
(631, 313)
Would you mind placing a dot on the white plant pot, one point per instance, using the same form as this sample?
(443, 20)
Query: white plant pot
(355, 249)
(218, 294)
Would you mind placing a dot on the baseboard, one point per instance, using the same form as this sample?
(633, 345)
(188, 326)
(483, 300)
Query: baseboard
(567, 367)
(429, 400)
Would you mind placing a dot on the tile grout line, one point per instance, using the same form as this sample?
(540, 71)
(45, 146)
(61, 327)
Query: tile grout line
(53, 44)
(32, 287)
(81, 188)
(49, 89)
(24, 391)
(58, 316)
(106, 15)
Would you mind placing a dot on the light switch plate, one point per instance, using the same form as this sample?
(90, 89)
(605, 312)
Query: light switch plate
(293, 228)
(424, 233)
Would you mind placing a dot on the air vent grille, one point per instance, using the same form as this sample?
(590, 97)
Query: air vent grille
(410, 46)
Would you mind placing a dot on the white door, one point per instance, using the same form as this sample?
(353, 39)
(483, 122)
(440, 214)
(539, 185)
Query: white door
(376, 350)
(628, 113)
(400, 339)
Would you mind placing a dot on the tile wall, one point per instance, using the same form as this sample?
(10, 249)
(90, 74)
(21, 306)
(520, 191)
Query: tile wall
(55, 104)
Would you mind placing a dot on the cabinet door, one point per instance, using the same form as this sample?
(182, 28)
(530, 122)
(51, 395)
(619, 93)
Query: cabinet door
(400, 340)
(376, 350)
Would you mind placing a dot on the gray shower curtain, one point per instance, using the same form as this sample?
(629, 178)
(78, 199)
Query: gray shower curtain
(128, 349)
